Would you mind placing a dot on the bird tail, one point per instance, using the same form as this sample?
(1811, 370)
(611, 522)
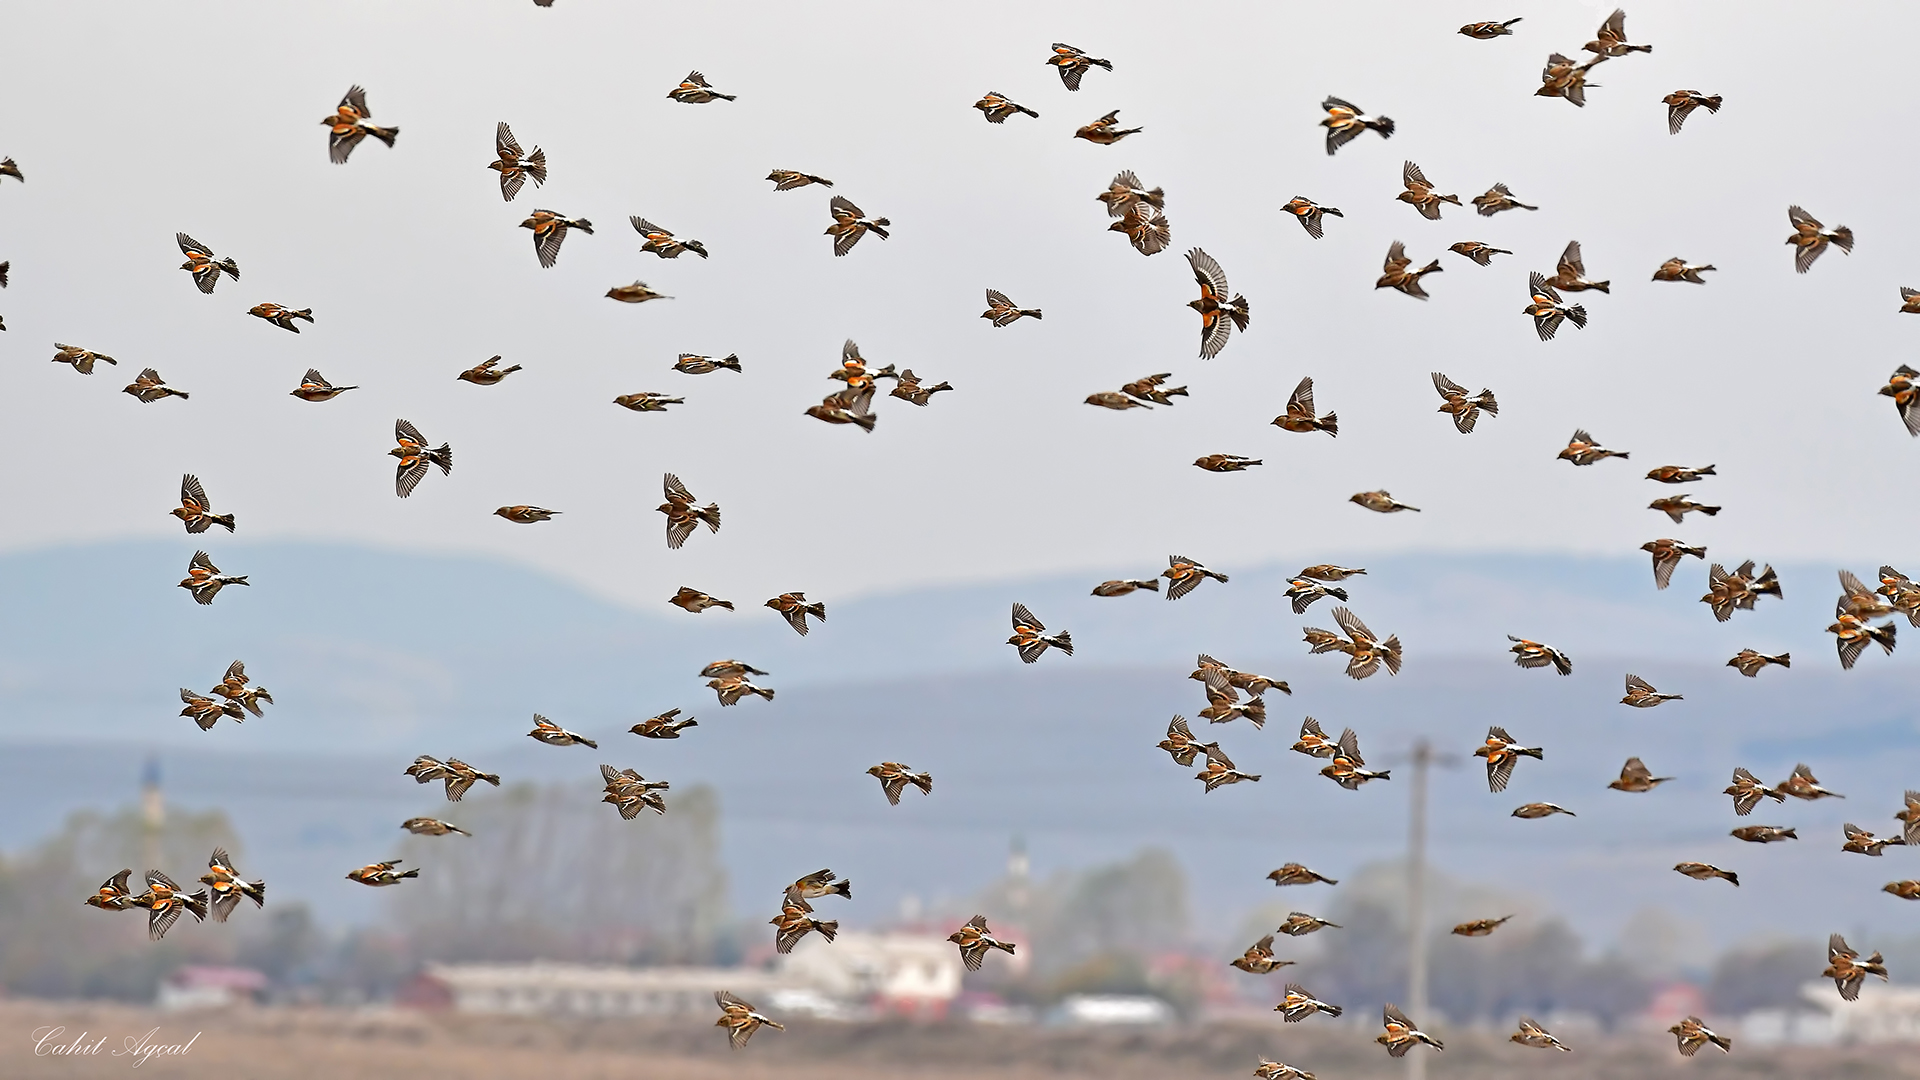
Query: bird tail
(817, 610)
(841, 888)
(1004, 946)
(1064, 642)
(220, 519)
(864, 420)
(1708, 471)
(536, 166)
(1843, 239)
(232, 268)
(196, 904)
(764, 691)
(711, 515)
(255, 890)
(413, 873)
(1533, 752)
(1240, 313)
(1330, 424)
(384, 134)
(442, 457)
(1577, 315)
(303, 313)
(730, 97)
(731, 363)
(1384, 126)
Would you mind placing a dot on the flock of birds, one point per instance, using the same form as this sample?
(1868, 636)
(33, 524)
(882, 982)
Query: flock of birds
(1139, 214)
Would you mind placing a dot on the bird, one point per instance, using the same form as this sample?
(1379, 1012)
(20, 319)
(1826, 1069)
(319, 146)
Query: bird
(1857, 599)
(1532, 654)
(1115, 400)
(1496, 199)
(682, 513)
(526, 515)
(1642, 695)
(1396, 275)
(81, 359)
(796, 921)
(695, 601)
(794, 608)
(204, 580)
(1487, 31)
(315, 387)
(1852, 634)
(727, 669)
(1763, 834)
(636, 293)
(235, 689)
(1401, 1034)
(648, 402)
(1030, 637)
(662, 242)
(1146, 228)
(1847, 970)
(1299, 415)
(739, 1017)
(1330, 572)
(663, 726)
(1126, 192)
(1747, 791)
(1480, 927)
(1105, 131)
(1003, 311)
(1570, 274)
(148, 387)
(1180, 743)
(1533, 811)
(1313, 741)
(1693, 1033)
(894, 778)
(514, 166)
(206, 712)
(908, 387)
(975, 939)
(1310, 214)
(550, 230)
(1218, 315)
(1345, 121)
(1294, 873)
(486, 372)
(1185, 575)
(1215, 673)
(1905, 890)
(282, 317)
(1298, 1004)
(458, 776)
(1700, 871)
(1226, 463)
(1258, 959)
(695, 90)
(996, 107)
(1074, 63)
(226, 886)
(788, 179)
(8, 168)
(850, 223)
(165, 901)
(426, 826)
(1679, 474)
(1666, 556)
(1563, 78)
(1548, 310)
(4, 267)
(1366, 652)
(1532, 1034)
(1304, 591)
(1583, 449)
(695, 364)
(1750, 662)
(1861, 842)
(1635, 777)
(381, 873)
(1420, 194)
(1123, 586)
(1465, 408)
(731, 688)
(1348, 768)
(818, 884)
(347, 126)
(1220, 770)
(196, 510)
(1611, 38)
(1502, 754)
(1380, 502)
(1810, 239)
(546, 731)
(205, 267)
(1910, 814)
(1681, 103)
(1678, 506)
(113, 894)
(1477, 251)
(415, 456)
(1678, 269)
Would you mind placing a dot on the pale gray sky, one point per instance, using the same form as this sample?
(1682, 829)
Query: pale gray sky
(132, 122)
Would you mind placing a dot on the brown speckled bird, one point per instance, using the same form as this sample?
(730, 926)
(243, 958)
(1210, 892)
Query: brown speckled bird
(347, 126)
(1532, 1034)
(1185, 575)
(662, 242)
(1678, 269)
(486, 372)
(1847, 970)
(521, 514)
(796, 921)
(1611, 38)
(226, 886)
(1345, 121)
(1304, 591)
(740, 1019)
(1488, 30)
(206, 712)
(381, 873)
(550, 231)
(1642, 695)
(1810, 239)
(1905, 890)
(1073, 64)
(794, 608)
(1861, 842)
(1465, 408)
(1502, 754)
(1002, 311)
(1583, 449)
(514, 166)
(1030, 636)
(196, 510)
(1852, 634)
(1401, 1034)
(1750, 662)
(695, 90)
(682, 514)
(695, 601)
(315, 387)
(1763, 834)
(1497, 199)
(1299, 416)
(1693, 1033)
(1153, 388)
(1480, 927)
(1532, 654)
(894, 778)
(996, 107)
(1419, 193)
(1747, 791)
(546, 731)
(204, 580)
(1666, 556)
(1226, 463)
(1180, 743)
(202, 263)
(1298, 1004)
(1313, 741)
(426, 826)
(1678, 506)
(1294, 873)
(1477, 251)
(788, 179)
(148, 387)
(1123, 586)
(1681, 103)
(1330, 572)
(81, 359)
(165, 901)
(1220, 770)
(1563, 78)
(1348, 768)
(1106, 131)
(113, 893)
(663, 726)
(1534, 811)
(282, 317)
(1381, 502)
(1258, 959)
(1635, 777)
(1396, 275)
(850, 223)
(1146, 228)
(1218, 315)
(1700, 871)
(636, 293)
(1212, 672)
(975, 939)
(415, 457)
(908, 387)
(1310, 214)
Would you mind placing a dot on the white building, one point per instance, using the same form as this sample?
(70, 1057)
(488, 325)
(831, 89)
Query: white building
(913, 973)
(1884, 1014)
(587, 990)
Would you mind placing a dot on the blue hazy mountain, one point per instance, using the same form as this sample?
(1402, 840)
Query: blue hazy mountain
(376, 656)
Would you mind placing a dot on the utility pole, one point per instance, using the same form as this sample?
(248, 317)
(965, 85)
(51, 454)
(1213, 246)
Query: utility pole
(1417, 903)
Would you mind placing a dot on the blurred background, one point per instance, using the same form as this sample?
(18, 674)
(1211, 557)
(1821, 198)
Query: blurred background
(388, 629)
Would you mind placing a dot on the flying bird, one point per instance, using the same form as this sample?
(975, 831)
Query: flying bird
(1681, 103)
(1220, 770)
(1310, 214)
(1570, 274)
(196, 510)
(695, 90)
(662, 242)
(663, 726)
(1861, 842)
(1003, 311)
(1678, 269)
(1480, 927)
(148, 387)
(1666, 556)
(1180, 743)
(415, 456)
(1313, 742)
(81, 359)
(113, 893)
(1185, 575)
(1304, 591)
(1693, 1033)
(1502, 754)
(1348, 769)
(550, 230)
(1611, 38)
(1748, 791)
(381, 873)
(1642, 695)
(1700, 871)
(546, 731)
(203, 710)
(682, 513)
(1852, 634)
(636, 293)
(1548, 310)
(1533, 811)
(1123, 586)
(1299, 416)
(1420, 194)
(1126, 192)
(226, 886)
(282, 317)
(1847, 970)
(1465, 408)
(787, 179)
(1345, 121)
(1583, 449)
(1145, 227)
(205, 267)
(1810, 239)
(794, 608)
(426, 826)
(1477, 251)
(695, 601)
(1295, 874)
(850, 223)
(1030, 637)
(1532, 654)
(894, 778)
(165, 901)
(1226, 463)
(204, 580)
(1258, 959)
(486, 372)
(1532, 1034)
(515, 167)
(1678, 506)
(1563, 78)
(975, 939)
(1218, 315)
(996, 107)
(739, 1017)
(1395, 272)
(347, 126)
(1635, 777)
(796, 921)
(1401, 1034)
(1487, 31)
(1299, 1004)
(1497, 199)
(1106, 131)
(1750, 662)
(1763, 834)
(1380, 502)
(1074, 63)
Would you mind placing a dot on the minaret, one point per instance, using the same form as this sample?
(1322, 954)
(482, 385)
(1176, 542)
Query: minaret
(153, 813)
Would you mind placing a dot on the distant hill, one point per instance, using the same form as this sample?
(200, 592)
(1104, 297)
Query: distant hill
(374, 657)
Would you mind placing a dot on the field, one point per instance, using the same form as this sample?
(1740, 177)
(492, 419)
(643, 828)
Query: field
(288, 1044)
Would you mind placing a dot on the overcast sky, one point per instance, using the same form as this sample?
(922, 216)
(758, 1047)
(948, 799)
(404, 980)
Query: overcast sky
(132, 122)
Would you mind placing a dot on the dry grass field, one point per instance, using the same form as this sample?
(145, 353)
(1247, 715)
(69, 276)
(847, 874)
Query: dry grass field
(292, 1044)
